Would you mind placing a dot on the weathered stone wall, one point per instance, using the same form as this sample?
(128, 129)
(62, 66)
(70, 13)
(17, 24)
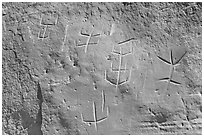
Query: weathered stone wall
(101, 68)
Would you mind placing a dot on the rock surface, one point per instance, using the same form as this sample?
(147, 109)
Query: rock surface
(101, 68)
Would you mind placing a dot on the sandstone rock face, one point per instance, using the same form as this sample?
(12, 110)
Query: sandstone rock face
(101, 68)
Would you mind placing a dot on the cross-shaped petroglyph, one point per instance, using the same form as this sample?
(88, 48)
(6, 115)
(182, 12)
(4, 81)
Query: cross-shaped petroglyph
(121, 55)
(119, 70)
(89, 37)
(172, 68)
(41, 34)
(95, 120)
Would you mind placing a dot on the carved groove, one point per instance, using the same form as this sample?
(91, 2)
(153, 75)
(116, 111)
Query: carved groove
(172, 67)
(126, 41)
(89, 36)
(95, 120)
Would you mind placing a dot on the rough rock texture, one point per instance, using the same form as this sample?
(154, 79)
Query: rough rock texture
(101, 68)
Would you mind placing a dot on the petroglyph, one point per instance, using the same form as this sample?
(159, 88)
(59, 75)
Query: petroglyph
(95, 120)
(89, 38)
(45, 22)
(172, 65)
(103, 68)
